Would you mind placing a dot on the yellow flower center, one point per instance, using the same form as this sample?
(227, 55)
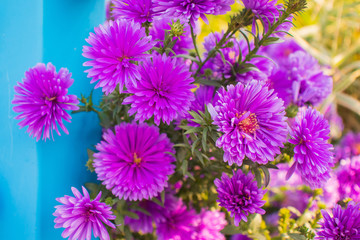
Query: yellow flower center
(137, 160)
(249, 124)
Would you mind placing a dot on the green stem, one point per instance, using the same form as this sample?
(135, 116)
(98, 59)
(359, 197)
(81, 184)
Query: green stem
(194, 42)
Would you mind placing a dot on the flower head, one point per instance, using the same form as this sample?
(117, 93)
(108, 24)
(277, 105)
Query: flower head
(301, 81)
(42, 99)
(348, 175)
(343, 224)
(80, 216)
(348, 147)
(240, 195)
(164, 91)
(115, 47)
(138, 10)
(268, 12)
(178, 222)
(312, 154)
(253, 121)
(208, 226)
(191, 10)
(134, 162)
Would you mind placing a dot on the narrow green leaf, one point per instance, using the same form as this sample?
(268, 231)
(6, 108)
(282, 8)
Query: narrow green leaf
(204, 139)
(130, 214)
(296, 236)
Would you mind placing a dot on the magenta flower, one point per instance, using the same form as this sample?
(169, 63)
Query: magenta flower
(240, 195)
(348, 147)
(208, 226)
(115, 47)
(178, 222)
(164, 91)
(192, 10)
(313, 154)
(134, 162)
(81, 216)
(348, 175)
(343, 224)
(267, 11)
(138, 10)
(253, 122)
(42, 100)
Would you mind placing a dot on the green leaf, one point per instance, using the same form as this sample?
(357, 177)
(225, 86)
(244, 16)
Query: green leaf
(187, 57)
(204, 139)
(199, 156)
(267, 175)
(231, 230)
(296, 236)
(157, 201)
(163, 197)
(258, 177)
(89, 163)
(130, 214)
(193, 130)
(271, 40)
(194, 145)
(184, 167)
(348, 102)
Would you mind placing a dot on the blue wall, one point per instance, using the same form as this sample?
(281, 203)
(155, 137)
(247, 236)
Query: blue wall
(33, 174)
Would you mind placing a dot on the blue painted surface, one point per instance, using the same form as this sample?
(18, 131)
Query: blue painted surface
(33, 174)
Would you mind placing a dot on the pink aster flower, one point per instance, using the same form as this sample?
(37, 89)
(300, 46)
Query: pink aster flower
(134, 162)
(115, 47)
(164, 91)
(138, 10)
(80, 216)
(42, 99)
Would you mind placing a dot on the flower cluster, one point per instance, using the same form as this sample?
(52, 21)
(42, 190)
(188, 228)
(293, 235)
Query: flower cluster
(348, 174)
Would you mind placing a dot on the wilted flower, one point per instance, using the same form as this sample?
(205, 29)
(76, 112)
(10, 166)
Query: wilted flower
(343, 224)
(313, 155)
(115, 47)
(80, 216)
(164, 91)
(134, 162)
(240, 195)
(42, 99)
(253, 121)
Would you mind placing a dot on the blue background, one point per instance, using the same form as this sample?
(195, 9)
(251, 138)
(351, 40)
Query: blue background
(33, 174)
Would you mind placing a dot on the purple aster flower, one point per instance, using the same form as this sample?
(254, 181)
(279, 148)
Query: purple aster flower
(134, 162)
(348, 175)
(115, 47)
(80, 216)
(253, 121)
(240, 195)
(191, 10)
(301, 81)
(312, 153)
(138, 10)
(280, 52)
(348, 147)
(42, 100)
(178, 222)
(164, 91)
(267, 11)
(184, 42)
(343, 224)
(240, 237)
(208, 226)
(231, 55)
